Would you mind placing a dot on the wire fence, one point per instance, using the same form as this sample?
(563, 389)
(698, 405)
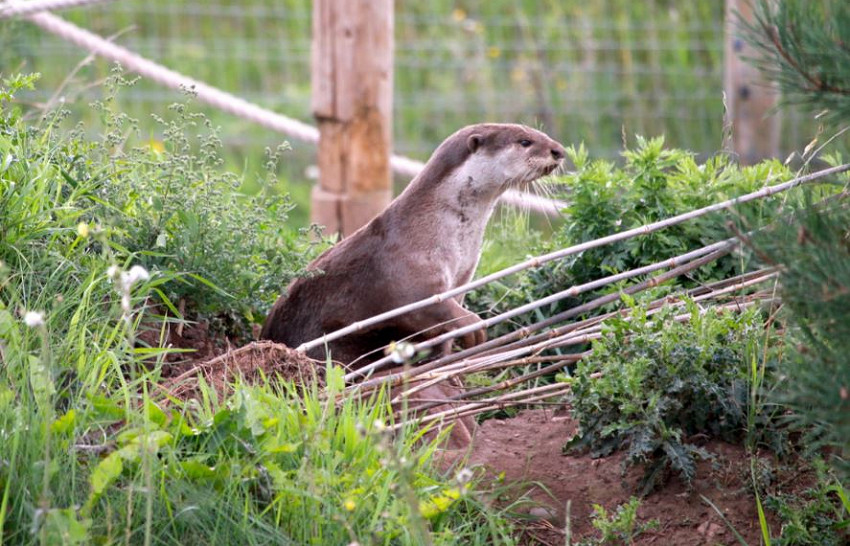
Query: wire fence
(592, 71)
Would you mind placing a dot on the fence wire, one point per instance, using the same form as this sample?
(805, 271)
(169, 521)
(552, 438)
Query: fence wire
(589, 71)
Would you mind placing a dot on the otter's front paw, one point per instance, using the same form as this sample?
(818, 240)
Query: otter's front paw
(471, 339)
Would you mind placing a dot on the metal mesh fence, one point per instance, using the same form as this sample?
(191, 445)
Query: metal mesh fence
(592, 71)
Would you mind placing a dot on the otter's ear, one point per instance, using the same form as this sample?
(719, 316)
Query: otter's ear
(473, 142)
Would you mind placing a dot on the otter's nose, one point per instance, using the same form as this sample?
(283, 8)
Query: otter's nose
(558, 153)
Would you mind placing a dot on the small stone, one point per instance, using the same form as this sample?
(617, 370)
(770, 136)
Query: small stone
(545, 513)
(709, 529)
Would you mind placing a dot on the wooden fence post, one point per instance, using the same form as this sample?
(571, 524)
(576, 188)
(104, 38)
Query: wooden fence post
(749, 97)
(352, 67)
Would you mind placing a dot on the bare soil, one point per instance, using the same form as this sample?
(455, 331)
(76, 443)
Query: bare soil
(528, 448)
(525, 450)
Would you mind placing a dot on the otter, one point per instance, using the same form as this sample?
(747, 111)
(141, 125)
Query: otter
(427, 241)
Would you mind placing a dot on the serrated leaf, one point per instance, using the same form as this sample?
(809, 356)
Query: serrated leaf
(681, 460)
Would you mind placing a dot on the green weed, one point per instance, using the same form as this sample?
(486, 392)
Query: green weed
(660, 383)
(619, 527)
(817, 515)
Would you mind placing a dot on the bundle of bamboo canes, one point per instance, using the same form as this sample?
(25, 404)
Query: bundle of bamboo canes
(530, 348)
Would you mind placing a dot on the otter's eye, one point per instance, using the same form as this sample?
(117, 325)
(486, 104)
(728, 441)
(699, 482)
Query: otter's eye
(525, 143)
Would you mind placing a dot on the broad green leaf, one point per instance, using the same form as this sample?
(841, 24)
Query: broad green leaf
(155, 414)
(106, 407)
(197, 470)
(63, 527)
(106, 471)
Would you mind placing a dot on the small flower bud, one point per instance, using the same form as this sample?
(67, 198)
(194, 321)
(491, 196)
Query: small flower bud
(34, 319)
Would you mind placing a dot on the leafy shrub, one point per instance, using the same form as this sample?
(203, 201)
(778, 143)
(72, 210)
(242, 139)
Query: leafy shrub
(181, 212)
(653, 183)
(169, 205)
(659, 383)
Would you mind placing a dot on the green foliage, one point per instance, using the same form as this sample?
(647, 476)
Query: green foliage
(654, 183)
(265, 467)
(818, 515)
(815, 258)
(651, 385)
(173, 205)
(168, 205)
(621, 527)
(802, 46)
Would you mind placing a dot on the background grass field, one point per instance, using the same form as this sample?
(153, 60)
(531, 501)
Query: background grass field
(594, 72)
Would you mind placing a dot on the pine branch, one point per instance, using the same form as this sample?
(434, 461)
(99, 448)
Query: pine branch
(803, 47)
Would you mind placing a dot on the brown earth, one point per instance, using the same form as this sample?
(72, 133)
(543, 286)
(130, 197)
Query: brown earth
(525, 450)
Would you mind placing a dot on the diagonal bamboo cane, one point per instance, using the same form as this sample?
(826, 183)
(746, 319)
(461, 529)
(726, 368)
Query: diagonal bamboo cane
(571, 338)
(525, 332)
(516, 398)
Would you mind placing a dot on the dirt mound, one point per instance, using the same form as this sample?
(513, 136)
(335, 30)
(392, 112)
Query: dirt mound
(190, 342)
(199, 354)
(249, 364)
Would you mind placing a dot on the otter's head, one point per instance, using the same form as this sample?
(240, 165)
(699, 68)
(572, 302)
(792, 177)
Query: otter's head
(484, 160)
(518, 153)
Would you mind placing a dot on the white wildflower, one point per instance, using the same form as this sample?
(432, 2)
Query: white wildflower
(463, 476)
(124, 281)
(129, 278)
(402, 352)
(138, 273)
(34, 319)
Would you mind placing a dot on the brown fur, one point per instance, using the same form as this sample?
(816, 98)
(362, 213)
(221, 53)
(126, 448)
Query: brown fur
(427, 241)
